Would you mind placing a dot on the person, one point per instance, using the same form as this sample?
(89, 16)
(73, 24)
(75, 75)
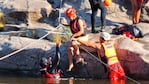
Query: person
(50, 67)
(147, 3)
(77, 29)
(136, 10)
(105, 47)
(95, 5)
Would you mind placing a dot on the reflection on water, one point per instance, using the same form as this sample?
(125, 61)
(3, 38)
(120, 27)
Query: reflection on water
(28, 80)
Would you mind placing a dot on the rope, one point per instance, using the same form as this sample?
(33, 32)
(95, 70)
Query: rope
(6, 56)
(11, 32)
(21, 48)
(108, 65)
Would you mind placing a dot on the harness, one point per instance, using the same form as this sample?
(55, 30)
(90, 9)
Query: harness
(75, 27)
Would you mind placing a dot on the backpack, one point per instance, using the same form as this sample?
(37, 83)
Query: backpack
(129, 31)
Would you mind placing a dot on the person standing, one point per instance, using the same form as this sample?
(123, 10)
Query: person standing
(95, 5)
(147, 3)
(136, 10)
(105, 47)
(77, 29)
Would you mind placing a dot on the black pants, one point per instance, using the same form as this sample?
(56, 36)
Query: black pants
(95, 5)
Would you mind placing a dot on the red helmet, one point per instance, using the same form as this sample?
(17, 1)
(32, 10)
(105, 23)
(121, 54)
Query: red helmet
(70, 12)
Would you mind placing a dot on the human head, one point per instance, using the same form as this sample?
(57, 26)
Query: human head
(70, 13)
(43, 62)
(105, 36)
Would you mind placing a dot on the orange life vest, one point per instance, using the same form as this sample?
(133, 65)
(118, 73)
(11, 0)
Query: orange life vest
(109, 51)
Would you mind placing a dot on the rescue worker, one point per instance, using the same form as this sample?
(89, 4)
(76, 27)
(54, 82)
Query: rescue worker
(77, 29)
(95, 5)
(136, 10)
(50, 67)
(105, 47)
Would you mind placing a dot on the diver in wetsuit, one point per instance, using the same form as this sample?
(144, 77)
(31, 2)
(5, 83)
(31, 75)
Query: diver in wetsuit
(50, 67)
(53, 68)
(95, 5)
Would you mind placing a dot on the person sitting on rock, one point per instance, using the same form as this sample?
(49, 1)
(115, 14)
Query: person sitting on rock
(105, 47)
(78, 31)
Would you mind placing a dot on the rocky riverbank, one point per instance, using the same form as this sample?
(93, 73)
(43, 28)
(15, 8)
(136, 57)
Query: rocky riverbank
(34, 21)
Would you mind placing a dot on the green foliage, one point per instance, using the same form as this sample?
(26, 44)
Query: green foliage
(62, 37)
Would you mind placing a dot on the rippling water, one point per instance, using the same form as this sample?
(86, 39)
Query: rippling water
(32, 80)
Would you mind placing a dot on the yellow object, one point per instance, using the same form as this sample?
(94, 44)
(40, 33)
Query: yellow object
(109, 50)
(136, 39)
(107, 2)
(1, 20)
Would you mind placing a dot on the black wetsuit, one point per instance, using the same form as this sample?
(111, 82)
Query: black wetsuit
(55, 62)
(95, 5)
(53, 67)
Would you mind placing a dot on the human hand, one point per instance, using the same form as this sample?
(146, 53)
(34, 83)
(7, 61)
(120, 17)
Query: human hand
(73, 39)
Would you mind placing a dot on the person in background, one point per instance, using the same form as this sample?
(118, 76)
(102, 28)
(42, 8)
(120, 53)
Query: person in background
(78, 31)
(95, 5)
(105, 47)
(136, 10)
(147, 3)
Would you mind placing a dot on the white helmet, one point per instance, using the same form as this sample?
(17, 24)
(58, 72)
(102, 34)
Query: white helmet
(105, 35)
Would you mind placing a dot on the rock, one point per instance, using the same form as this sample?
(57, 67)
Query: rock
(25, 12)
(133, 56)
(145, 15)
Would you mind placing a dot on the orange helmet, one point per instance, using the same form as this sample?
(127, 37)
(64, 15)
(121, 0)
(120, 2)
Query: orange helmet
(70, 12)
(107, 2)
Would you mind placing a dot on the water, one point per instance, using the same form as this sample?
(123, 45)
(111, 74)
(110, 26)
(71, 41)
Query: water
(38, 80)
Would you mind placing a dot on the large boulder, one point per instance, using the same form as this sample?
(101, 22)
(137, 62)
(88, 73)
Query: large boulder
(26, 11)
(133, 57)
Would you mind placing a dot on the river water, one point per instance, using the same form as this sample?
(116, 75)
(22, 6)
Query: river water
(38, 80)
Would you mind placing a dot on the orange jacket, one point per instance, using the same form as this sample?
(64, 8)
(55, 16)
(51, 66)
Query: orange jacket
(109, 51)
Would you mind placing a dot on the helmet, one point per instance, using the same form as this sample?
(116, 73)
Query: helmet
(43, 62)
(107, 2)
(70, 12)
(105, 35)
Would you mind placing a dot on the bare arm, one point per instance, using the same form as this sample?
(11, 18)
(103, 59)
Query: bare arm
(90, 44)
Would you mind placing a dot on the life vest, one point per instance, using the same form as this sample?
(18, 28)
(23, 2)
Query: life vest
(109, 51)
(74, 25)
